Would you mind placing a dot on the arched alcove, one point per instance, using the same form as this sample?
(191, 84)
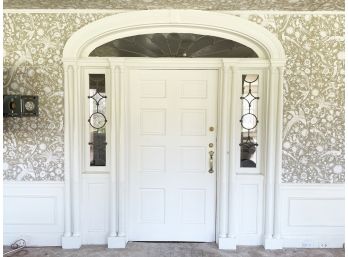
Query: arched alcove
(81, 49)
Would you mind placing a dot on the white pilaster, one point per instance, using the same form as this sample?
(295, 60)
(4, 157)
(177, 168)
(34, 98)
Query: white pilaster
(72, 171)
(233, 90)
(270, 150)
(278, 164)
(122, 181)
(68, 85)
(222, 163)
(113, 149)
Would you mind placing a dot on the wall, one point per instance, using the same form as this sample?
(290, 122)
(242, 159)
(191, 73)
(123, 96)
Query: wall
(313, 135)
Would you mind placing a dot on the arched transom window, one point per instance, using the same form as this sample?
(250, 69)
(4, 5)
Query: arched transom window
(173, 45)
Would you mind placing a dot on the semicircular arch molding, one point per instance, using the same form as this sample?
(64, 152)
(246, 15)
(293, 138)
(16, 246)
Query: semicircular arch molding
(97, 33)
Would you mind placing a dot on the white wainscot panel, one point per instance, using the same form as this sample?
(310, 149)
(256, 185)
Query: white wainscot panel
(34, 211)
(250, 209)
(95, 208)
(312, 215)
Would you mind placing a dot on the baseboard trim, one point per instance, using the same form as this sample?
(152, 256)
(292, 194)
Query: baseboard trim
(333, 241)
(34, 239)
(273, 244)
(71, 242)
(227, 243)
(117, 242)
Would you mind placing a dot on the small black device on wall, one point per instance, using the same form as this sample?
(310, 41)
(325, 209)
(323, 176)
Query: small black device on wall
(21, 105)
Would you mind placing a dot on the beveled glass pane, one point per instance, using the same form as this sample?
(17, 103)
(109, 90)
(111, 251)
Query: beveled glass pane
(97, 120)
(173, 45)
(249, 120)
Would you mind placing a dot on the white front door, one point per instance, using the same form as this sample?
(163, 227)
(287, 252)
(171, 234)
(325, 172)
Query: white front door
(172, 130)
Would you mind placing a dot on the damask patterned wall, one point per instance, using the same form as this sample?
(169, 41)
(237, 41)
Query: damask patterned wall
(313, 137)
(298, 5)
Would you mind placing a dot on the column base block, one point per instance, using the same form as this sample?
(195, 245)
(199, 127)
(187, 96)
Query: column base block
(273, 244)
(71, 242)
(117, 242)
(227, 243)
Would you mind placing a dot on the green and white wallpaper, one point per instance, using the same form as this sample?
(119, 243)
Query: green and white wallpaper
(313, 129)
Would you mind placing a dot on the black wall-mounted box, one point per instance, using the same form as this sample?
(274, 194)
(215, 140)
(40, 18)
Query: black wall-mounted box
(19, 106)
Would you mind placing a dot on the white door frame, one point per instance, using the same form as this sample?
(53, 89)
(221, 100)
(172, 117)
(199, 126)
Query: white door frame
(271, 58)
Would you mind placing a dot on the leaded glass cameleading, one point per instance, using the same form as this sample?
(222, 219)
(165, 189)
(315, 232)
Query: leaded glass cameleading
(97, 119)
(249, 120)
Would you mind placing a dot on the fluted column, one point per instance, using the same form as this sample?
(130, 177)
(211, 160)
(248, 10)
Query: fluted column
(222, 156)
(72, 162)
(234, 159)
(278, 165)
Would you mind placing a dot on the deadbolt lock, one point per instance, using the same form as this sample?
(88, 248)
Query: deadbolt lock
(211, 129)
(211, 145)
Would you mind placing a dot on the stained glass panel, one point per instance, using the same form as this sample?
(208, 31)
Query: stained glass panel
(97, 119)
(249, 120)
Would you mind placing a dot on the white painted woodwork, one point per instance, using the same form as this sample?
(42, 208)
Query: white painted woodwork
(312, 216)
(126, 24)
(76, 52)
(95, 208)
(171, 191)
(34, 212)
(249, 209)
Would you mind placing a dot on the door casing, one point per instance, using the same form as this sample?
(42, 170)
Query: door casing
(271, 61)
(117, 74)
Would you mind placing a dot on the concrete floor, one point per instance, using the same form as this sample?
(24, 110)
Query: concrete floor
(137, 249)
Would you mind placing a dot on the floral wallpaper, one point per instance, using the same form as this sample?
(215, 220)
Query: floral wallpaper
(295, 5)
(313, 134)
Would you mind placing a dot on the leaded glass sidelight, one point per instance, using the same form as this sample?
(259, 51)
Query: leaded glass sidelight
(97, 120)
(249, 120)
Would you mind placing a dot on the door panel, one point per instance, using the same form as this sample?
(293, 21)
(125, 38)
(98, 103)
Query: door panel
(172, 194)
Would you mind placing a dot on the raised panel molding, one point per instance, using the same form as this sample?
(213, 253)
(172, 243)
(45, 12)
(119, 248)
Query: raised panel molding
(152, 207)
(153, 89)
(312, 215)
(95, 208)
(194, 89)
(34, 211)
(193, 159)
(153, 122)
(153, 158)
(193, 122)
(193, 205)
(250, 209)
